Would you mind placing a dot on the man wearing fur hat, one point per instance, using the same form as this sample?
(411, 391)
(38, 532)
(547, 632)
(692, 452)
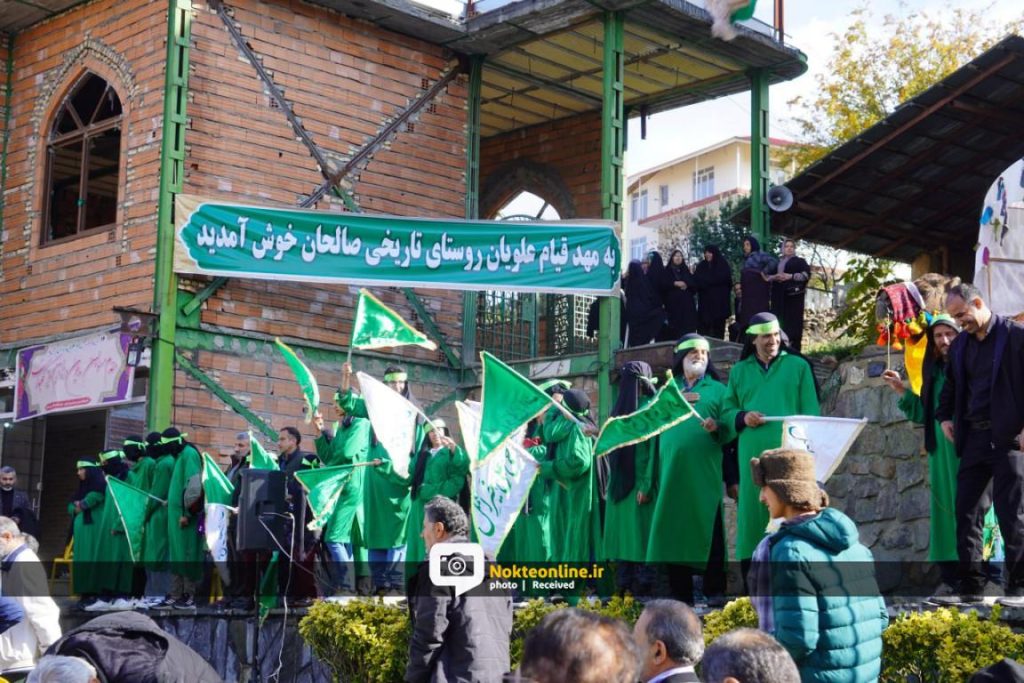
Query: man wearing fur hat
(767, 381)
(812, 582)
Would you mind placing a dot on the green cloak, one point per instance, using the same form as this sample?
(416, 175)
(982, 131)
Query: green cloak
(154, 545)
(349, 446)
(572, 491)
(186, 547)
(445, 475)
(627, 524)
(86, 554)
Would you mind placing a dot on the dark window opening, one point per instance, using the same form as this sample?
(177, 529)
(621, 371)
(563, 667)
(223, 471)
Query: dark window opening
(83, 159)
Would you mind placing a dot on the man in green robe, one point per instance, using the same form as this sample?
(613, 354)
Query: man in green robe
(155, 552)
(439, 468)
(686, 530)
(116, 578)
(86, 508)
(347, 444)
(768, 381)
(385, 495)
(186, 548)
(943, 462)
(628, 508)
(570, 470)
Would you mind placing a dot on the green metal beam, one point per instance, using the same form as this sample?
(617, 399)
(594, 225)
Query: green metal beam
(225, 396)
(432, 329)
(473, 105)
(172, 172)
(759, 156)
(8, 93)
(205, 293)
(612, 149)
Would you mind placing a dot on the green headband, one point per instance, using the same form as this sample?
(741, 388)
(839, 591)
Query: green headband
(164, 440)
(699, 344)
(544, 386)
(111, 454)
(82, 464)
(396, 377)
(137, 444)
(764, 328)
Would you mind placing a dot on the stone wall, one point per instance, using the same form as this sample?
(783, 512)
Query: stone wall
(883, 482)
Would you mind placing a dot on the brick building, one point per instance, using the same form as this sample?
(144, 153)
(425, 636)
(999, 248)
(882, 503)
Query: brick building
(110, 109)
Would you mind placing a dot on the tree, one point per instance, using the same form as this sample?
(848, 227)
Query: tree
(871, 71)
(710, 225)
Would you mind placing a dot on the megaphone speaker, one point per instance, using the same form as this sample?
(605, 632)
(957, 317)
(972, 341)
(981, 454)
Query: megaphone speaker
(779, 198)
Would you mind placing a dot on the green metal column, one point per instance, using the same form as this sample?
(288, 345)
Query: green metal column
(612, 146)
(759, 156)
(172, 172)
(469, 299)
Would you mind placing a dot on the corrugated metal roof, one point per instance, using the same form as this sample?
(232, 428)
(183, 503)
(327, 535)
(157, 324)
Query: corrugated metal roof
(916, 180)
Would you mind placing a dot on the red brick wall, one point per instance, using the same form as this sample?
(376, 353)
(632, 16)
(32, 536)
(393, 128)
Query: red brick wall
(70, 286)
(345, 80)
(570, 148)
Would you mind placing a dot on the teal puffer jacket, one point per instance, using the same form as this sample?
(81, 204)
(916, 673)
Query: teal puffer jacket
(826, 605)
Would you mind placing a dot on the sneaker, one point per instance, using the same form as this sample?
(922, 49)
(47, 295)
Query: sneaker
(97, 606)
(184, 602)
(1014, 598)
(944, 595)
(122, 604)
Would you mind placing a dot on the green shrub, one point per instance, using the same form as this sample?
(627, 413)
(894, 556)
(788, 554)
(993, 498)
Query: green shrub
(945, 645)
(361, 640)
(738, 613)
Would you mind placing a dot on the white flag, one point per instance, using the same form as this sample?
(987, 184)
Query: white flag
(827, 438)
(500, 483)
(393, 418)
(216, 524)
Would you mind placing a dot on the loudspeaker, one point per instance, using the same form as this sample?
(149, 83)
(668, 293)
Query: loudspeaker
(262, 500)
(779, 198)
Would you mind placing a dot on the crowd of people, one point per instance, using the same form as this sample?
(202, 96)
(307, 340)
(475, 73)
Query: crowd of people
(664, 301)
(651, 509)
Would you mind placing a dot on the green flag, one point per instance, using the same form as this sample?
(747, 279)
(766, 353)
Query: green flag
(305, 378)
(378, 326)
(268, 588)
(509, 401)
(745, 11)
(216, 487)
(323, 488)
(668, 409)
(131, 508)
(261, 460)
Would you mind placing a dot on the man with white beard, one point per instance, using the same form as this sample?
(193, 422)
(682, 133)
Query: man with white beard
(686, 533)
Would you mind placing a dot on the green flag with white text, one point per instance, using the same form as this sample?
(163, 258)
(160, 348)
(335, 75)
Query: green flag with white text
(377, 326)
(261, 460)
(131, 507)
(508, 402)
(323, 486)
(216, 486)
(305, 378)
(668, 409)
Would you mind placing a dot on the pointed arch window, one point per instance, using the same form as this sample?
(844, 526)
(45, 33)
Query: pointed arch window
(83, 161)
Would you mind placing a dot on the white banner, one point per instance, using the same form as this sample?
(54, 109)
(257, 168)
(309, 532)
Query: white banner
(393, 418)
(216, 525)
(827, 438)
(500, 483)
(999, 260)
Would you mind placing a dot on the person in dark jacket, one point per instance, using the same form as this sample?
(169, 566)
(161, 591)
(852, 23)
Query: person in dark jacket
(757, 266)
(644, 312)
(789, 290)
(454, 637)
(15, 503)
(981, 410)
(713, 279)
(671, 641)
(679, 289)
(812, 582)
(128, 647)
(296, 582)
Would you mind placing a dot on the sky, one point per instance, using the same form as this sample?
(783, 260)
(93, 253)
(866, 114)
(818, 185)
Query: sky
(809, 27)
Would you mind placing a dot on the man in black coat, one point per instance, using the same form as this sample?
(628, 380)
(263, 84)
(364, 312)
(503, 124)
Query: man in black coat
(295, 573)
(669, 635)
(15, 503)
(981, 410)
(455, 637)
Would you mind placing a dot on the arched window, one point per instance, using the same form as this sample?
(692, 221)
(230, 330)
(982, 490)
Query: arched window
(83, 161)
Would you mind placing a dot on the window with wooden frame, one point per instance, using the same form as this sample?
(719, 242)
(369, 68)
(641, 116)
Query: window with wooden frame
(83, 161)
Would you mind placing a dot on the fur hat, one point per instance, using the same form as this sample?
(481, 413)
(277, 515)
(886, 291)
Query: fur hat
(790, 474)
